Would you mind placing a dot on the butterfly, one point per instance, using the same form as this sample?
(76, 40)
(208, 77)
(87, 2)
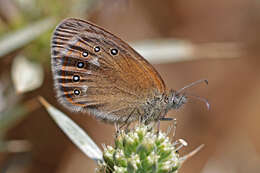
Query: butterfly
(96, 72)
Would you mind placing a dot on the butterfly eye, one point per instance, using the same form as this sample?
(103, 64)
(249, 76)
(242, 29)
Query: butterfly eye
(85, 54)
(76, 78)
(80, 64)
(114, 51)
(77, 92)
(97, 49)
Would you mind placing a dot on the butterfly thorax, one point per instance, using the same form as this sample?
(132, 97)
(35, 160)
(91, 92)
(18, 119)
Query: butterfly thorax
(158, 107)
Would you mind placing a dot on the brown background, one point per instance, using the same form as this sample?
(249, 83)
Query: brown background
(230, 129)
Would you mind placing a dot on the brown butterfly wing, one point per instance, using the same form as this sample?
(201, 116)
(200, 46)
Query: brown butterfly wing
(95, 71)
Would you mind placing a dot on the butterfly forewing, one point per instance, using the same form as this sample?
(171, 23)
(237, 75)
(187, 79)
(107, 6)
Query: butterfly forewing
(96, 72)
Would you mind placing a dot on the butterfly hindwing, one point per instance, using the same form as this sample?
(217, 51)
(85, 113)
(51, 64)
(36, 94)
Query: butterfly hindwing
(95, 71)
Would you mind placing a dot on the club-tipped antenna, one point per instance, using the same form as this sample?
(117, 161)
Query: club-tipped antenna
(202, 99)
(192, 84)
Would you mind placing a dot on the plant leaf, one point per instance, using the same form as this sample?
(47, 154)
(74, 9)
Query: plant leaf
(18, 39)
(74, 132)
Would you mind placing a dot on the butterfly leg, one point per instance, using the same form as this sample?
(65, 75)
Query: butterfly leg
(166, 119)
(172, 128)
(162, 118)
(158, 127)
(117, 130)
(126, 123)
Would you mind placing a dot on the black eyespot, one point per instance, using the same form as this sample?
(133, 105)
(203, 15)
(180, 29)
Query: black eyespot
(77, 92)
(97, 49)
(85, 54)
(76, 78)
(80, 64)
(114, 51)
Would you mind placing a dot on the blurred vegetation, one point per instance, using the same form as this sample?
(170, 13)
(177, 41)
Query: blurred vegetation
(29, 11)
(25, 30)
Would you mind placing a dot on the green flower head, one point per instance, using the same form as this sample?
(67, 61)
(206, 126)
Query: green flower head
(142, 150)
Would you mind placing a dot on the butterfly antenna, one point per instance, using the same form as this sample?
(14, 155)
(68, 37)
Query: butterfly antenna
(204, 100)
(192, 84)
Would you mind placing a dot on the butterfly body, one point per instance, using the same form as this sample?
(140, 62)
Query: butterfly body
(96, 72)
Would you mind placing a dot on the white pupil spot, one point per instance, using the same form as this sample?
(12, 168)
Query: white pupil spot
(76, 78)
(97, 49)
(85, 54)
(80, 65)
(76, 92)
(114, 51)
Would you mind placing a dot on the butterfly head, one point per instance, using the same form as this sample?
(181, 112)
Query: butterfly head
(176, 100)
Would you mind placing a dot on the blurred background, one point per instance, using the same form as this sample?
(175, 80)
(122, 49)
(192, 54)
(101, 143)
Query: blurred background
(185, 41)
